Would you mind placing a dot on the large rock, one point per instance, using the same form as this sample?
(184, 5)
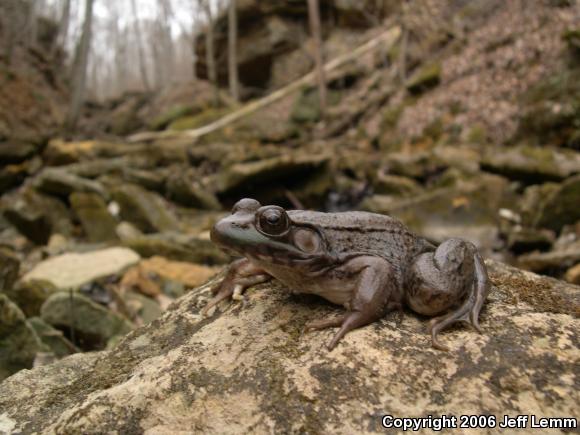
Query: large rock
(92, 323)
(147, 210)
(72, 270)
(249, 368)
(18, 341)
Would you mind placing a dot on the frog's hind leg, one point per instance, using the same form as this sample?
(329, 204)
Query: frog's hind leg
(371, 299)
(460, 269)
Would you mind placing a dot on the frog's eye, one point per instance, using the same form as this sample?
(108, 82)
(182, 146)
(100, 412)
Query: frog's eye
(273, 221)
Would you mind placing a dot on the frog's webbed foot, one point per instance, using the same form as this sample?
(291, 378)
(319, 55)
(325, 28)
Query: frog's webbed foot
(240, 275)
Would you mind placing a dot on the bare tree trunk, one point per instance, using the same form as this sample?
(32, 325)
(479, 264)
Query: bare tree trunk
(80, 70)
(314, 18)
(210, 51)
(168, 45)
(10, 23)
(32, 24)
(140, 48)
(233, 50)
(63, 26)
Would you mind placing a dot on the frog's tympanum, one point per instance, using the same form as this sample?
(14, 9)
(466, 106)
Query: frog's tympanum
(369, 263)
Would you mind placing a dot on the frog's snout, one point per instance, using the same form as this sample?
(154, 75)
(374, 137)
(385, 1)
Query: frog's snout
(220, 231)
(234, 230)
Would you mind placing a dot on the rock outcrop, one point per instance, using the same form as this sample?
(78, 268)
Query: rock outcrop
(270, 49)
(249, 368)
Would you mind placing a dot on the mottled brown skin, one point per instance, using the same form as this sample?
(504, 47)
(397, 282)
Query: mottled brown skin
(369, 263)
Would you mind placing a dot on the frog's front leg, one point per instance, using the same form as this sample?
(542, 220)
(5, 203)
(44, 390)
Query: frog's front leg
(240, 275)
(452, 281)
(374, 294)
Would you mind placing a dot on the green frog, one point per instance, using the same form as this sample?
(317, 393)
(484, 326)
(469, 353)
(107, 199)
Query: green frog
(368, 263)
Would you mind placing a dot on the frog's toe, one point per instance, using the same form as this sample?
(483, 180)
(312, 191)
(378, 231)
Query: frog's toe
(330, 322)
(224, 293)
(437, 344)
(434, 328)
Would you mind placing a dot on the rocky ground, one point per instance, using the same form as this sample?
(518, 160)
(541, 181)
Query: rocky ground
(101, 237)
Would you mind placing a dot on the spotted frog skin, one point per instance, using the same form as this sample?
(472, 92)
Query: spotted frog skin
(369, 263)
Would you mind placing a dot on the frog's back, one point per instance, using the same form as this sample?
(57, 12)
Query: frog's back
(357, 231)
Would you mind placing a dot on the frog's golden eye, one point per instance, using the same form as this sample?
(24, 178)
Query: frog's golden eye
(273, 221)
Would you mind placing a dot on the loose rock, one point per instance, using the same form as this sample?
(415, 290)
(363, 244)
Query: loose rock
(9, 268)
(18, 341)
(554, 261)
(573, 274)
(177, 247)
(52, 338)
(60, 183)
(30, 295)
(98, 224)
(467, 211)
(92, 323)
(73, 270)
(37, 216)
(562, 206)
(532, 165)
(252, 175)
(146, 210)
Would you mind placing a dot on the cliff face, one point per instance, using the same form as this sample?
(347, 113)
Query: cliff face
(273, 48)
(249, 368)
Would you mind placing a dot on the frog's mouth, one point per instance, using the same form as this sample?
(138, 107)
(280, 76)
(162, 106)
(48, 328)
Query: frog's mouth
(237, 235)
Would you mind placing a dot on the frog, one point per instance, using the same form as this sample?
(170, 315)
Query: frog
(369, 263)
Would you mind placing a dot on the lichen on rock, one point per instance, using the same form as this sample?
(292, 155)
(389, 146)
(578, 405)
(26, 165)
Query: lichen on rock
(249, 368)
